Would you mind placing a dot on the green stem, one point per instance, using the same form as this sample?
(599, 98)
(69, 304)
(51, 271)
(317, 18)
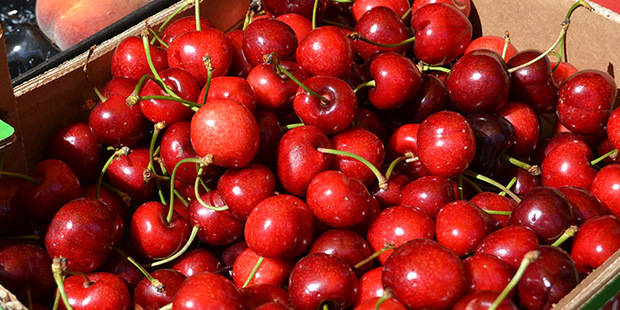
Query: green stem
(56, 301)
(568, 233)
(358, 36)
(20, 176)
(157, 128)
(160, 193)
(380, 178)
(473, 184)
(512, 182)
(174, 14)
(506, 43)
(253, 272)
(154, 282)
(395, 162)
(273, 59)
(314, 9)
(497, 212)
(532, 169)
(199, 199)
(120, 152)
(292, 126)
(387, 294)
(124, 196)
(371, 83)
(181, 198)
(156, 37)
(190, 104)
(426, 67)
(492, 182)
(149, 60)
(406, 13)
(197, 14)
(58, 269)
(386, 247)
(174, 173)
(210, 69)
(460, 186)
(176, 255)
(528, 258)
(611, 154)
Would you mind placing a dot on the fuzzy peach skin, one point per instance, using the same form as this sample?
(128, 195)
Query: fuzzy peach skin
(67, 22)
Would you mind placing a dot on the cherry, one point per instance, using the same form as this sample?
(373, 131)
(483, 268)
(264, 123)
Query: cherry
(349, 246)
(82, 231)
(369, 120)
(300, 24)
(546, 211)
(442, 33)
(397, 81)
(152, 236)
(26, 267)
(231, 252)
(158, 110)
(362, 143)
(460, 226)
(526, 126)
(387, 304)
(396, 226)
(494, 134)
(597, 240)
(525, 181)
(114, 122)
(216, 227)
(393, 195)
(239, 65)
(509, 244)
(446, 143)
(479, 82)
(197, 261)
(533, 84)
(370, 285)
(187, 51)
(148, 297)
(119, 86)
(76, 145)
(562, 71)
(303, 7)
(487, 273)
(320, 279)
(298, 158)
(121, 267)
(102, 290)
(181, 26)
(613, 128)
(381, 25)
(207, 290)
(129, 59)
(265, 296)
(548, 279)
(494, 202)
(265, 36)
(432, 287)
(270, 134)
(279, 226)
(230, 87)
(606, 187)
(325, 50)
(585, 204)
(432, 97)
(463, 5)
(272, 91)
(117, 208)
(334, 112)
(360, 7)
(428, 194)
(212, 133)
(272, 271)
(585, 101)
(483, 300)
(243, 188)
(175, 145)
(493, 43)
(127, 174)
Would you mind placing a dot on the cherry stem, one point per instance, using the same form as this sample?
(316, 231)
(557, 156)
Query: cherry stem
(156, 129)
(427, 67)
(406, 13)
(612, 154)
(395, 162)
(249, 15)
(56, 301)
(531, 169)
(273, 59)
(497, 212)
(387, 294)
(101, 97)
(386, 247)
(528, 258)
(190, 104)
(506, 43)
(460, 186)
(20, 176)
(207, 160)
(371, 83)
(358, 36)
(473, 184)
(120, 152)
(253, 272)
(292, 126)
(154, 282)
(314, 9)
(380, 178)
(199, 199)
(173, 15)
(176, 255)
(568, 233)
(181, 198)
(149, 60)
(134, 97)
(156, 37)
(197, 14)
(492, 182)
(210, 69)
(24, 237)
(59, 266)
(124, 196)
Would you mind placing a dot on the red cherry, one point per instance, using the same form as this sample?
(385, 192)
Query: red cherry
(463, 5)
(12, 220)
(562, 72)
(350, 247)
(175, 145)
(382, 25)
(265, 36)
(597, 240)
(568, 165)
(585, 204)
(129, 59)
(397, 81)
(360, 7)
(493, 43)
(533, 84)
(207, 290)
(325, 50)
(117, 208)
(239, 65)
(121, 267)
(428, 194)
(76, 145)
(243, 188)
(148, 297)
(363, 143)
(231, 252)
(370, 121)
(127, 174)
(388, 304)
(613, 128)
(300, 24)
(393, 195)
(431, 287)
(460, 226)
(119, 86)
(482, 300)
(273, 271)
(103, 291)
(525, 181)
(25, 267)
(187, 51)
(216, 227)
(487, 273)
(272, 91)
(270, 134)
(168, 111)
(181, 26)
(370, 285)
(606, 187)
(197, 261)
(152, 236)
(302, 7)
(230, 87)
(265, 296)
(432, 97)
(525, 122)
(494, 202)
(509, 244)
(114, 122)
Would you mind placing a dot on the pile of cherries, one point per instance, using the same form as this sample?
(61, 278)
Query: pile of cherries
(327, 155)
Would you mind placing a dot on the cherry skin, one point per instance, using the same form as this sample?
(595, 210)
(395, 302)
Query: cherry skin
(168, 111)
(300, 24)
(495, 202)
(434, 287)
(389, 304)
(428, 194)
(363, 143)
(272, 91)
(359, 8)
(303, 7)
(270, 134)
(26, 267)
(487, 273)
(129, 59)
(483, 300)
(525, 181)
(446, 144)
(187, 51)
(119, 86)
(605, 187)
(105, 291)
(546, 211)
(349, 246)
(585, 204)
(207, 290)
(393, 195)
(463, 5)
(151, 236)
(460, 226)
(533, 84)
(180, 26)
(494, 135)
(114, 122)
(547, 279)
(509, 244)
(397, 80)
(493, 43)
(265, 296)
(442, 33)
(613, 128)
(369, 120)
(116, 207)
(382, 25)
(301, 143)
(230, 87)
(226, 130)
(568, 165)
(121, 267)
(325, 50)
(397, 225)
(597, 240)
(370, 285)
(149, 297)
(216, 227)
(175, 145)
(290, 230)
(273, 271)
(265, 36)
(585, 101)
(76, 145)
(243, 188)
(127, 174)
(562, 72)
(332, 116)
(56, 185)
(231, 252)
(239, 65)
(479, 82)
(432, 97)
(320, 278)
(82, 231)
(197, 261)
(526, 125)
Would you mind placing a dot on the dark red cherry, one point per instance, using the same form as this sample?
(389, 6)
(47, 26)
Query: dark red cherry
(360, 7)
(265, 297)
(533, 84)
(102, 291)
(197, 261)
(239, 65)
(26, 267)
(432, 97)
(152, 236)
(428, 194)
(585, 204)
(127, 174)
(12, 220)
(526, 125)
(129, 59)
(606, 187)
(460, 226)
(393, 195)
(272, 271)
(381, 25)
(231, 252)
(483, 300)
(597, 240)
(274, 92)
(168, 111)
(494, 134)
(207, 290)
(509, 244)
(76, 145)
(117, 207)
(397, 81)
(487, 273)
(121, 267)
(369, 120)
(181, 26)
(114, 122)
(266, 36)
(525, 181)
(270, 134)
(325, 50)
(175, 145)
(243, 188)
(188, 50)
(349, 246)
(148, 297)
(303, 7)
(216, 227)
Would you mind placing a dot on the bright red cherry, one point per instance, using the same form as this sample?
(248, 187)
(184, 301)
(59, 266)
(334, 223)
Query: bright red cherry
(266, 36)
(494, 202)
(273, 271)
(606, 187)
(483, 300)
(428, 194)
(148, 297)
(207, 290)
(152, 236)
(460, 226)
(509, 244)
(265, 297)
(349, 246)
(103, 291)
(216, 227)
(388, 304)
(360, 7)
(127, 174)
(325, 50)
(129, 59)
(196, 261)
(533, 84)
(363, 143)
(243, 188)
(119, 86)
(397, 81)
(585, 204)
(175, 145)
(463, 5)
(181, 26)
(562, 72)
(493, 43)
(300, 24)
(487, 273)
(613, 128)
(568, 165)
(116, 123)
(168, 111)
(230, 87)
(188, 50)
(274, 92)
(381, 25)
(597, 240)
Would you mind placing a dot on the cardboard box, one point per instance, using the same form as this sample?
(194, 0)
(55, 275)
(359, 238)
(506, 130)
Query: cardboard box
(37, 107)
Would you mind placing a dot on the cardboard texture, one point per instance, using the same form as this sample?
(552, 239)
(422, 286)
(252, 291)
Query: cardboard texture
(57, 97)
